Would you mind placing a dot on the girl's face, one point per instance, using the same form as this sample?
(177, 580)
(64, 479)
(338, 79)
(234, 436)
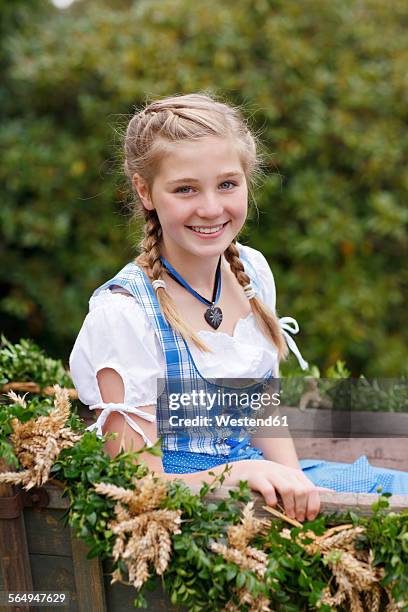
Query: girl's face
(201, 197)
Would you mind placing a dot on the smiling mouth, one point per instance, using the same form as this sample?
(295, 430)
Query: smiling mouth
(207, 229)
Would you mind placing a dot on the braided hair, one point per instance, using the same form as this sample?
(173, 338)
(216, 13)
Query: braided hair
(149, 137)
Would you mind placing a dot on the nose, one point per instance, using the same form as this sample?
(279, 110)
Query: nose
(210, 207)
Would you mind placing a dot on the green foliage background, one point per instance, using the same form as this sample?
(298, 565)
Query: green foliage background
(324, 83)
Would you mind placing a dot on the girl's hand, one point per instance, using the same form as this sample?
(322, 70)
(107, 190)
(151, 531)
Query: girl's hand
(299, 495)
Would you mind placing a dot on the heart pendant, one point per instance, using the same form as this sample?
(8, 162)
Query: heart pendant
(213, 316)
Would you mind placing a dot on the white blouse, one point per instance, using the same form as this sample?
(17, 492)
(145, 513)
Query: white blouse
(117, 334)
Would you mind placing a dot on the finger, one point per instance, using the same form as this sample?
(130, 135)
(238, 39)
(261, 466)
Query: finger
(286, 491)
(306, 506)
(312, 497)
(265, 488)
(313, 504)
(301, 495)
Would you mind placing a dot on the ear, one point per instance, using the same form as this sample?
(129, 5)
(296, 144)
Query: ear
(142, 189)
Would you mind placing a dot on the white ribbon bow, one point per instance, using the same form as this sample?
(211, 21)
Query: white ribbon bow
(124, 410)
(285, 325)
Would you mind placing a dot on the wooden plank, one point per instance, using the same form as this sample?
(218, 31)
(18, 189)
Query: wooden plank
(89, 581)
(330, 502)
(383, 452)
(121, 597)
(353, 423)
(46, 534)
(14, 560)
(56, 500)
(55, 573)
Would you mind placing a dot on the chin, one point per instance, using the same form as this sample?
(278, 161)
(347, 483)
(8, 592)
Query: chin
(208, 249)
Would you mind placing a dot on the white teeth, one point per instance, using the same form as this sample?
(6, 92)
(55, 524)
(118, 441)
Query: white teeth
(207, 230)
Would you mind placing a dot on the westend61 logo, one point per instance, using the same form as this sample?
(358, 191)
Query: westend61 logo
(222, 401)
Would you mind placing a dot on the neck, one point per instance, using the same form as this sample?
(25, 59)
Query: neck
(197, 271)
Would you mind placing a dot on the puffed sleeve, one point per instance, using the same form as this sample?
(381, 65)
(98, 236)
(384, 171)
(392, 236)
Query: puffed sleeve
(265, 278)
(117, 334)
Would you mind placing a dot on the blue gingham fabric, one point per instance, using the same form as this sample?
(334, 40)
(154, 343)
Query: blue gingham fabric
(183, 376)
(182, 462)
(357, 477)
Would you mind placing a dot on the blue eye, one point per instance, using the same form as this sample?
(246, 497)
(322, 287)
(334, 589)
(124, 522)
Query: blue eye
(229, 183)
(178, 190)
(184, 187)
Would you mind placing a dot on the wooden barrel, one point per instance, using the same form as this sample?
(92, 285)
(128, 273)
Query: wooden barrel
(38, 553)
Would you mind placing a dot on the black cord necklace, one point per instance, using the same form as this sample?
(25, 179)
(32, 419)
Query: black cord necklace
(213, 314)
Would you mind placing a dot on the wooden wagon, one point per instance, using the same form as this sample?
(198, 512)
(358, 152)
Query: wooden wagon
(38, 553)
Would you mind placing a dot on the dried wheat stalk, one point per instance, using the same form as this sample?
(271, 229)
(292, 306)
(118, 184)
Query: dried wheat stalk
(38, 442)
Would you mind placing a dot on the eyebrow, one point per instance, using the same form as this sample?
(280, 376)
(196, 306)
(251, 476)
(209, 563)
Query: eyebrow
(194, 180)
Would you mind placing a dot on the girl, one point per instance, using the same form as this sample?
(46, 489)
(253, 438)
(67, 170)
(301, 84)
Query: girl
(194, 306)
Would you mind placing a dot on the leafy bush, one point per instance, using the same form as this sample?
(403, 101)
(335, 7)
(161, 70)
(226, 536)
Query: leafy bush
(324, 85)
(25, 361)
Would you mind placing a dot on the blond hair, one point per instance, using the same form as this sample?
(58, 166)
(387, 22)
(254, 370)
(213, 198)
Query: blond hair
(148, 139)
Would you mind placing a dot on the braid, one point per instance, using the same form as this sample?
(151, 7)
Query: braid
(234, 260)
(149, 258)
(150, 245)
(264, 316)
